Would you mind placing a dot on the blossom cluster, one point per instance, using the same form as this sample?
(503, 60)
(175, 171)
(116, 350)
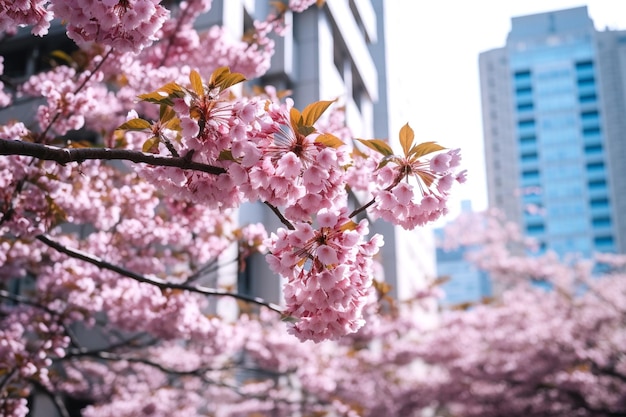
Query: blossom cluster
(127, 26)
(414, 191)
(328, 274)
(20, 13)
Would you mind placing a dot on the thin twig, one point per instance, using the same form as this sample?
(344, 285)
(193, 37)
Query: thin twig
(43, 134)
(282, 218)
(157, 282)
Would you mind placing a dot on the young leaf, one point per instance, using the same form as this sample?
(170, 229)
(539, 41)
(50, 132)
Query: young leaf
(424, 149)
(135, 124)
(378, 145)
(151, 145)
(196, 83)
(406, 138)
(295, 118)
(329, 140)
(349, 225)
(222, 78)
(305, 130)
(164, 94)
(313, 111)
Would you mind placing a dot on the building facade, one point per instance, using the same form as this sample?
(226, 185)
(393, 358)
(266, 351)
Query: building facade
(336, 51)
(554, 121)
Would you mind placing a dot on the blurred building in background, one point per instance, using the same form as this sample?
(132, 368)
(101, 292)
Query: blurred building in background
(554, 118)
(335, 51)
(465, 283)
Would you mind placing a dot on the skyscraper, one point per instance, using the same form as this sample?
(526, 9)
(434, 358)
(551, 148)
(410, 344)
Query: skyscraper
(554, 119)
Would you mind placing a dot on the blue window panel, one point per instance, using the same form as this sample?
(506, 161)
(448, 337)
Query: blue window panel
(597, 185)
(601, 202)
(584, 65)
(584, 82)
(595, 167)
(601, 222)
(604, 242)
(530, 157)
(522, 107)
(535, 229)
(588, 98)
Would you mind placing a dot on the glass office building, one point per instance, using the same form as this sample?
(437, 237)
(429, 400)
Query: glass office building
(554, 118)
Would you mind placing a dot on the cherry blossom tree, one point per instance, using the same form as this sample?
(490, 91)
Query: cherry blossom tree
(110, 247)
(551, 344)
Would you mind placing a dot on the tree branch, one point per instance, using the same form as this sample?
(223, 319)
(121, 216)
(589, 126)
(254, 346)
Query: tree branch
(66, 155)
(282, 218)
(157, 282)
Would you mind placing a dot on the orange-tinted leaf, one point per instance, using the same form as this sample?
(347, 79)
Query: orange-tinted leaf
(349, 225)
(151, 145)
(280, 7)
(377, 145)
(223, 78)
(305, 130)
(135, 124)
(295, 117)
(424, 149)
(313, 111)
(196, 83)
(329, 140)
(62, 56)
(320, 3)
(166, 113)
(406, 138)
(426, 177)
(164, 94)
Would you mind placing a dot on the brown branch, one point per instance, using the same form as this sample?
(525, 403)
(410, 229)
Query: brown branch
(43, 134)
(67, 155)
(282, 218)
(157, 282)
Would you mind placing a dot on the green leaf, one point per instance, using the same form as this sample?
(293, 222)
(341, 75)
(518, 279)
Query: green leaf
(424, 149)
(151, 145)
(289, 319)
(226, 155)
(313, 111)
(329, 140)
(378, 145)
(135, 124)
(406, 139)
(305, 130)
(196, 83)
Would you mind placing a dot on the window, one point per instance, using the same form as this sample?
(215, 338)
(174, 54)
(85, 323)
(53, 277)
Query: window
(595, 167)
(603, 241)
(527, 123)
(593, 149)
(530, 157)
(601, 221)
(597, 184)
(587, 98)
(528, 139)
(535, 228)
(591, 130)
(584, 65)
(601, 202)
(525, 106)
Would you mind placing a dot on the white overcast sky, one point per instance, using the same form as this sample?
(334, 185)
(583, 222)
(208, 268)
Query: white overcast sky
(433, 49)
